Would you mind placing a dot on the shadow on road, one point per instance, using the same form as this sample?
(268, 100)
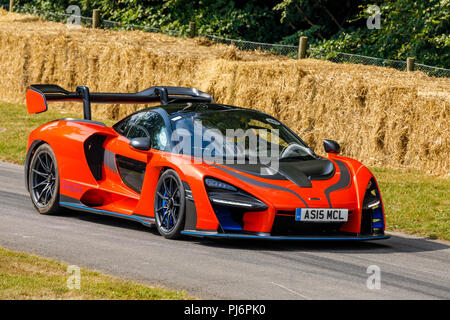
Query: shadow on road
(106, 220)
(393, 245)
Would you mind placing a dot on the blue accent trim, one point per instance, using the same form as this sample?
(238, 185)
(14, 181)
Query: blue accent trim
(67, 204)
(225, 219)
(378, 215)
(224, 235)
(298, 214)
(378, 212)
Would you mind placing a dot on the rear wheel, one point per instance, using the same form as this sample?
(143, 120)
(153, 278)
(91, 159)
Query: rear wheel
(169, 205)
(43, 180)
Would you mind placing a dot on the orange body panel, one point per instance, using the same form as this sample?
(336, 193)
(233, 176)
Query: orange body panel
(110, 193)
(36, 102)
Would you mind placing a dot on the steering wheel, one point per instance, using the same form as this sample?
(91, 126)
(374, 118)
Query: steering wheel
(138, 128)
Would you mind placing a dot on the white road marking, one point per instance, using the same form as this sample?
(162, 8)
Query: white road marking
(291, 291)
(21, 235)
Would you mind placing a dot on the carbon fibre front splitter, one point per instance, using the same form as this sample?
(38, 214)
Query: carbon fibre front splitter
(269, 237)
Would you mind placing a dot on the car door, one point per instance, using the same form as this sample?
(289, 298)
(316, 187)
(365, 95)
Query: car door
(131, 164)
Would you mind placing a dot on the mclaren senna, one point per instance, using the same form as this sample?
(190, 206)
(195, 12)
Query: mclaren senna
(136, 170)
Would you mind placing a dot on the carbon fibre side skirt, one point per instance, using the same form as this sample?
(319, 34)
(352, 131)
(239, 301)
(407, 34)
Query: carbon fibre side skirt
(75, 204)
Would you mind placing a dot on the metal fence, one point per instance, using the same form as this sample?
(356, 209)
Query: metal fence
(334, 56)
(341, 57)
(279, 49)
(88, 21)
(49, 15)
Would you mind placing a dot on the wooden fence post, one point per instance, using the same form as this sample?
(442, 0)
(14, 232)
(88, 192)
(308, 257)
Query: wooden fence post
(11, 5)
(302, 46)
(95, 18)
(410, 64)
(192, 29)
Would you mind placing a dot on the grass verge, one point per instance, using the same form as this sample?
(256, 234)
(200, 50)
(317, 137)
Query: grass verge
(414, 202)
(16, 124)
(27, 276)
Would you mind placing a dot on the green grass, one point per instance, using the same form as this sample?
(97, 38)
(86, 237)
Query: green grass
(27, 276)
(415, 202)
(16, 124)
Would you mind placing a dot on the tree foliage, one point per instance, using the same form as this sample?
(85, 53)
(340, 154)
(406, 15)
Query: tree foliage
(408, 29)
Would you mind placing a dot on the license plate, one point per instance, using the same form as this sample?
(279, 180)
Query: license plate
(321, 215)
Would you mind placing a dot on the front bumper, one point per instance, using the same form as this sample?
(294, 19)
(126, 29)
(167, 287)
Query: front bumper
(206, 234)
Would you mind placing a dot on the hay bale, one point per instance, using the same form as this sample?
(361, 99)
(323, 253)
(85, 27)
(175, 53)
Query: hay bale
(381, 116)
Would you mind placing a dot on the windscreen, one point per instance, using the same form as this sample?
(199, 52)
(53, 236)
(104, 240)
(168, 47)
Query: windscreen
(238, 134)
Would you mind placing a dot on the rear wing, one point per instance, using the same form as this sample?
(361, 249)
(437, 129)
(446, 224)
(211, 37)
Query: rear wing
(38, 95)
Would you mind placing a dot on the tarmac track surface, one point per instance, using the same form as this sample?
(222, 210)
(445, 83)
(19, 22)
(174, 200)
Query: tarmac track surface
(411, 267)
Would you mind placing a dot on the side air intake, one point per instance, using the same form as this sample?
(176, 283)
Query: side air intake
(94, 152)
(372, 220)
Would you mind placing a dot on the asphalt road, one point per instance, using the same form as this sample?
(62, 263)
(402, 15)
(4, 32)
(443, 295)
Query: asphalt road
(411, 268)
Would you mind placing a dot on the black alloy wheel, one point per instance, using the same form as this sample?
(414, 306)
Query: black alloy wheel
(43, 180)
(169, 204)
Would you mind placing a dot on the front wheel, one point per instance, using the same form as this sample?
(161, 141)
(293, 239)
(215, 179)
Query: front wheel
(43, 180)
(169, 205)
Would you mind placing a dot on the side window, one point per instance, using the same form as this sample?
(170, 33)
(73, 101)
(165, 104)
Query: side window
(123, 126)
(146, 124)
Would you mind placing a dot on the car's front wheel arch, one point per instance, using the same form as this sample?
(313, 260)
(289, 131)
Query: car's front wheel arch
(169, 204)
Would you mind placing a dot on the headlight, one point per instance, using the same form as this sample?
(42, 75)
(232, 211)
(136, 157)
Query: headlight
(222, 193)
(237, 200)
(217, 184)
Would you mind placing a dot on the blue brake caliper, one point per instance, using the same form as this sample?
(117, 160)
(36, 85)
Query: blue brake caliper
(163, 204)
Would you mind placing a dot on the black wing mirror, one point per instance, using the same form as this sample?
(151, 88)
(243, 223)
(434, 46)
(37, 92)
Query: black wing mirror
(143, 144)
(331, 146)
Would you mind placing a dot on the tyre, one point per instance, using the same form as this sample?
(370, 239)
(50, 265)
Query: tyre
(43, 180)
(169, 205)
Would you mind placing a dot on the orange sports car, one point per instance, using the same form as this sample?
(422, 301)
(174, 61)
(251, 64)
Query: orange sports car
(194, 167)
